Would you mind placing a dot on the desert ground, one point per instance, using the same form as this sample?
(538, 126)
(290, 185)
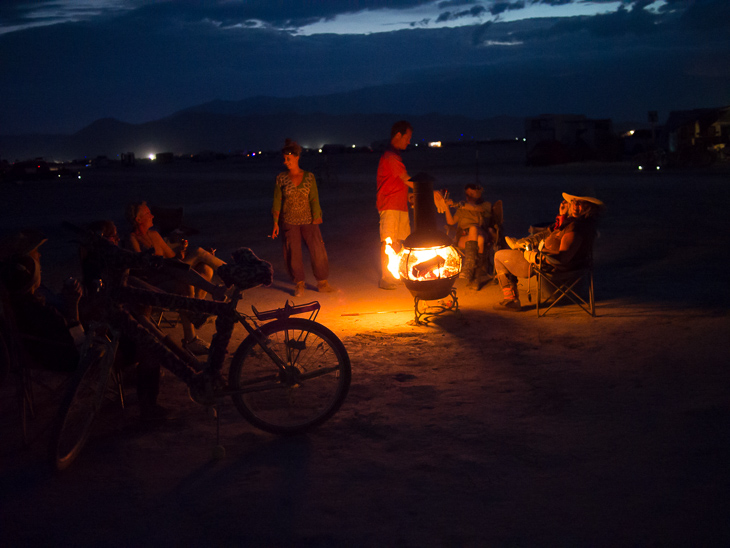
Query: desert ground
(480, 428)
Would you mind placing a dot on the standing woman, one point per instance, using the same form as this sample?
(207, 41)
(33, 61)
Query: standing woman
(296, 200)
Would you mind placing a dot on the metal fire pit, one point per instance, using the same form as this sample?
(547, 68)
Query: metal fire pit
(426, 237)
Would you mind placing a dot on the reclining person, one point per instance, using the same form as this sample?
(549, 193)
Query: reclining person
(565, 248)
(108, 230)
(142, 238)
(94, 269)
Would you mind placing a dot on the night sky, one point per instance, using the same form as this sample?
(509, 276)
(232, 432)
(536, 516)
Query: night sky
(66, 63)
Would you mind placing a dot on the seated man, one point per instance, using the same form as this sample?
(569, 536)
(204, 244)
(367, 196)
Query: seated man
(49, 324)
(473, 219)
(565, 248)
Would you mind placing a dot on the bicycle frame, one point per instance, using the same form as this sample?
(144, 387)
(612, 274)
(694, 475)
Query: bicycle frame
(170, 354)
(273, 392)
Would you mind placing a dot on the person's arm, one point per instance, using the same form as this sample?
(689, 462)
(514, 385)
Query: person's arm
(314, 201)
(159, 243)
(134, 243)
(71, 294)
(569, 246)
(399, 169)
(276, 208)
(443, 206)
(406, 179)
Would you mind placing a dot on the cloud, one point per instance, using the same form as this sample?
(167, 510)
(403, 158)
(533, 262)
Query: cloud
(500, 7)
(280, 14)
(475, 11)
(148, 62)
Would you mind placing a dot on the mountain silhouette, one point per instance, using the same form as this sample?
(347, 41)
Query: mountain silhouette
(258, 124)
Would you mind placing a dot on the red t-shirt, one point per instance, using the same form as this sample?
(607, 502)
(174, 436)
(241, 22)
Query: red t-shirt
(392, 191)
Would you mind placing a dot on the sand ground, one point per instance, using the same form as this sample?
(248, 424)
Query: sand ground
(478, 429)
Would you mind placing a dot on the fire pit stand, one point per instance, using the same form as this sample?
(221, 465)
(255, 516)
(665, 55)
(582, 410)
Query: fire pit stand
(448, 304)
(429, 263)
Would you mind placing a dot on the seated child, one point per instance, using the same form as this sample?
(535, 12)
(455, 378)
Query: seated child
(473, 218)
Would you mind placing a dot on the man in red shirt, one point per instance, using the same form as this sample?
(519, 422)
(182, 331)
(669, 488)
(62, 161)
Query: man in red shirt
(392, 199)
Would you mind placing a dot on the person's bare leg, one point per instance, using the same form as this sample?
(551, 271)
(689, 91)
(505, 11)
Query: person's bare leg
(200, 255)
(206, 272)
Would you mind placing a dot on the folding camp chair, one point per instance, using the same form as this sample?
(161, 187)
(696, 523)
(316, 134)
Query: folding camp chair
(568, 284)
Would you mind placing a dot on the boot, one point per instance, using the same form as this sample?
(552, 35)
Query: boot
(468, 267)
(511, 299)
(479, 272)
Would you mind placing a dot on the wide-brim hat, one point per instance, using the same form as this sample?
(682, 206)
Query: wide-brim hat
(569, 198)
(22, 243)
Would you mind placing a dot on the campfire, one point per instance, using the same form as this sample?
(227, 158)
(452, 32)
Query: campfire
(428, 263)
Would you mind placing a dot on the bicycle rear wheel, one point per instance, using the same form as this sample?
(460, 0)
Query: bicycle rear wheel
(81, 404)
(309, 391)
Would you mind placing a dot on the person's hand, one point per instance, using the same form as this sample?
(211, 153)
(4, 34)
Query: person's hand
(438, 199)
(72, 290)
(183, 248)
(317, 221)
(541, 245)
(219, 293)
(530, 256)
(275, 232)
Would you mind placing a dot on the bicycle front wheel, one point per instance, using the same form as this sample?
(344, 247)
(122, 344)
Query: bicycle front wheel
(80, 405)
(307, 391)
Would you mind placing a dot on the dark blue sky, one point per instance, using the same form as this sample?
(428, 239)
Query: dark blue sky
(66, 63)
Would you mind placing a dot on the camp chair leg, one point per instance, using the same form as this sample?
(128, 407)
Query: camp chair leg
(565, 290)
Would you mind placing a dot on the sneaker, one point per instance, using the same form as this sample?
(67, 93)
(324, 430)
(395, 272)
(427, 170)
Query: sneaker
(385, 284)
(509, 304)
(325, 287)
(299, 289)
(515, 244)
(196, 346)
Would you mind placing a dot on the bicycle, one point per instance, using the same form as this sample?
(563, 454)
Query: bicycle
(286, 377)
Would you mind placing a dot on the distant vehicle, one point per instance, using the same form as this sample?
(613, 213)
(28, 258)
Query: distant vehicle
(650, 161)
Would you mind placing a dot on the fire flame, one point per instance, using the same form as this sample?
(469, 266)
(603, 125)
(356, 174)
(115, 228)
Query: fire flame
(449, 266)
(393, 258)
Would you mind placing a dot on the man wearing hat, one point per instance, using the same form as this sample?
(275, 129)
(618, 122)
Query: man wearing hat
(49, 334)
(565, 248)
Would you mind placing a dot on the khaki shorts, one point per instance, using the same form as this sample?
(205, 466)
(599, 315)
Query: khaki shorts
(394, 224)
